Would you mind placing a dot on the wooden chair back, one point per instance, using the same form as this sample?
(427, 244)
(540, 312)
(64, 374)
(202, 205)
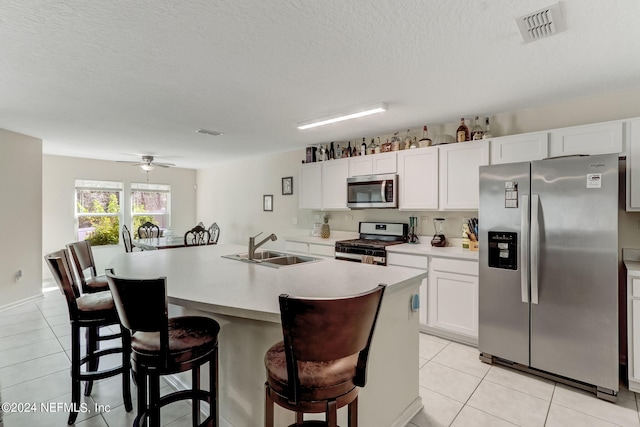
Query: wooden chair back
(126, 239)
(148, 229)
(142, 305)
(197, 236)
(58, 263)
(82, 257)
(323, 329)
(214, 233)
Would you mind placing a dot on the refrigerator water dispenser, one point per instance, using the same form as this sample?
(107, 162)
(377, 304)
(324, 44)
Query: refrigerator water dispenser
(503, 250)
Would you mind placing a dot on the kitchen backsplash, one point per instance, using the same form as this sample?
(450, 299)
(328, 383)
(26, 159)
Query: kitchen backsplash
(349, 220)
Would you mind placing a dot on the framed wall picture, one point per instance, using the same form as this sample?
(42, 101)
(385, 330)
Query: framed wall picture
(267, 203)
(287, 185)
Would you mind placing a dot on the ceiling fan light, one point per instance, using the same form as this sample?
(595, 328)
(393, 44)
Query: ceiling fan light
(147, 168)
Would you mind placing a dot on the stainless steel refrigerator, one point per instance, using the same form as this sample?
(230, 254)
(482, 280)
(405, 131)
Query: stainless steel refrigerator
(549, 269)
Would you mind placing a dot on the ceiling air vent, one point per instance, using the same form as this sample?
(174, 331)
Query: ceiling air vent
(543, 23)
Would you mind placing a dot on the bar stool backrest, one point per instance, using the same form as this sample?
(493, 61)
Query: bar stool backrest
(318, 329)
(58, 263)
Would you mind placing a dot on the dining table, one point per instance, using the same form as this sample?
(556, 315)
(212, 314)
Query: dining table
(165, 242)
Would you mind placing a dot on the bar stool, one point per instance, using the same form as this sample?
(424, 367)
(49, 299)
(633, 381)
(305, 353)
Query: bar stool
(82, 256)
(91, 311)
(322, 360)
(161, 346)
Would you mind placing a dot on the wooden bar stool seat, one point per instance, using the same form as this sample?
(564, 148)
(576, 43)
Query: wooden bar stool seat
(322, 361)
(91, 311)
(162, 346)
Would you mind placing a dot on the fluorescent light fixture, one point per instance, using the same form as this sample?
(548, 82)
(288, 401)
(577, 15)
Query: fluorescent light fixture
(353, 114)
(147, 168)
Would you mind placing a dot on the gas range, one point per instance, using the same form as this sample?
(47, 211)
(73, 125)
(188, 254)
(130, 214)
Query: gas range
(374, 238)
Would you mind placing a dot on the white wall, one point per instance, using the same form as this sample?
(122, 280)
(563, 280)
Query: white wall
(232, 194)
(58, 196)
(20, 217)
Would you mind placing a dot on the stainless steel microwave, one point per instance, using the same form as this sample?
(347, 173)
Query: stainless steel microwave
(372, 191)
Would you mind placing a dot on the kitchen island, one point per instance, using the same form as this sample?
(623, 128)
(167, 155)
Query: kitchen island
(243, 298)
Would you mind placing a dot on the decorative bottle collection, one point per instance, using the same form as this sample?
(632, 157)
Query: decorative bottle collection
(334, 150)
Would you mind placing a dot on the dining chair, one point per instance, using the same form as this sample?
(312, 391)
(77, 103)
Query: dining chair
(148, 229)
(161, 345)
(197, 236)
(126, 239)
(82, 256)
(322, 361)
(91, 311)
(214, 233)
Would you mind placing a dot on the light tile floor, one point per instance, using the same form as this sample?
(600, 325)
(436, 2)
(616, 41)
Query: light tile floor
(456, 388)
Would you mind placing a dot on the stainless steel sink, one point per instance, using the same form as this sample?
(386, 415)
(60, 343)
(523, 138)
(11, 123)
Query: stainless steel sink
(258, 256)
(272, 258)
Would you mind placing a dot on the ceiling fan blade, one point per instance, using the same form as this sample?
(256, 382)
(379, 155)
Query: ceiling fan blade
(163, 165)
(135, 163)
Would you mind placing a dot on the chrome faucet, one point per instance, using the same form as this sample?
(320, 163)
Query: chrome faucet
(253, 245)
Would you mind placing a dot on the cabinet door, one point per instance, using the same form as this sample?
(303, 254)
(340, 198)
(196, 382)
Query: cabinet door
(360, 165)
(310, 195)
(519, 148)
(633, 165)
(453, 303)
(635, 344)
(599, 138)
(384, 163)
(334, 184)
(459, 173)
(418, 179)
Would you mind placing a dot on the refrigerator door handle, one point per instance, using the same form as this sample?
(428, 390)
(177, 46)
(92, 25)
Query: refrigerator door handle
(524, 248)
(535, 246)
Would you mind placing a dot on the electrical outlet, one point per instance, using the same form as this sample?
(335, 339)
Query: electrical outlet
(348, 217)
(316, 217)
(294, 221)
(19, 275)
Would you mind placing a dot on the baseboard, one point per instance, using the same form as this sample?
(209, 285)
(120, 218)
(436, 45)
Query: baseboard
(452, 336)
(21, 302)
(407, 415)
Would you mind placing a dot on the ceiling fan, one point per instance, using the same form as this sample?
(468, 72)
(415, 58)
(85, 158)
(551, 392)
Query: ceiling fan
(147, 164)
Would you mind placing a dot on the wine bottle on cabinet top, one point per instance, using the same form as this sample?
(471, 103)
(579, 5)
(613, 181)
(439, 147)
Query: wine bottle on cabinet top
(462, 134)
(425, 141)
(487, 132)
(476, 130)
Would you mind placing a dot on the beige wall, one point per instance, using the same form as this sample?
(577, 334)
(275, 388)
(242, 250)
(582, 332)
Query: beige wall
(59, 175)
(232, 194)
(20, 217)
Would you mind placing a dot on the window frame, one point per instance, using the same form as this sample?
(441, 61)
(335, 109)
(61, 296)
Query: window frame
(146, 187)
(98, 185)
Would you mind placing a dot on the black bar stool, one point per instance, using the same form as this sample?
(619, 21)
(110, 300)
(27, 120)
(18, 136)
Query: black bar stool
(91, 311)
(161, 346)
(322, 360)
(82, 257)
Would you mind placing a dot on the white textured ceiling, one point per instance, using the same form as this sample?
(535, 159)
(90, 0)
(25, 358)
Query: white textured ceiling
(112, 79)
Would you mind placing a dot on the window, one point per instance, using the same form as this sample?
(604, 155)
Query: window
(98, 211)
(150, 202)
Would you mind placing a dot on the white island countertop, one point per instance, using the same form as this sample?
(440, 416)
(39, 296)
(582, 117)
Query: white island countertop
(243, 298)
(241, 289)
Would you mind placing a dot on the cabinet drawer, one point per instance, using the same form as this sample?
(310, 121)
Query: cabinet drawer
(635, 283)
(406, 260)
(454, 266)
(322, 250)
(299, 247)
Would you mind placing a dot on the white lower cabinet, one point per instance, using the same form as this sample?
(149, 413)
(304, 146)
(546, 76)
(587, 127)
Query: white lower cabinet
(419, 262)
(313, 249)
(633, 332)
(453, 298)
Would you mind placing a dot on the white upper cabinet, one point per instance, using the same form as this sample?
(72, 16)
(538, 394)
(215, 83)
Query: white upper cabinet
(633, 165)
(459, 173)
(334, 184)
(373, 164)
(520, 148)
(599, 138)
(310, 193)
(418, 179)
